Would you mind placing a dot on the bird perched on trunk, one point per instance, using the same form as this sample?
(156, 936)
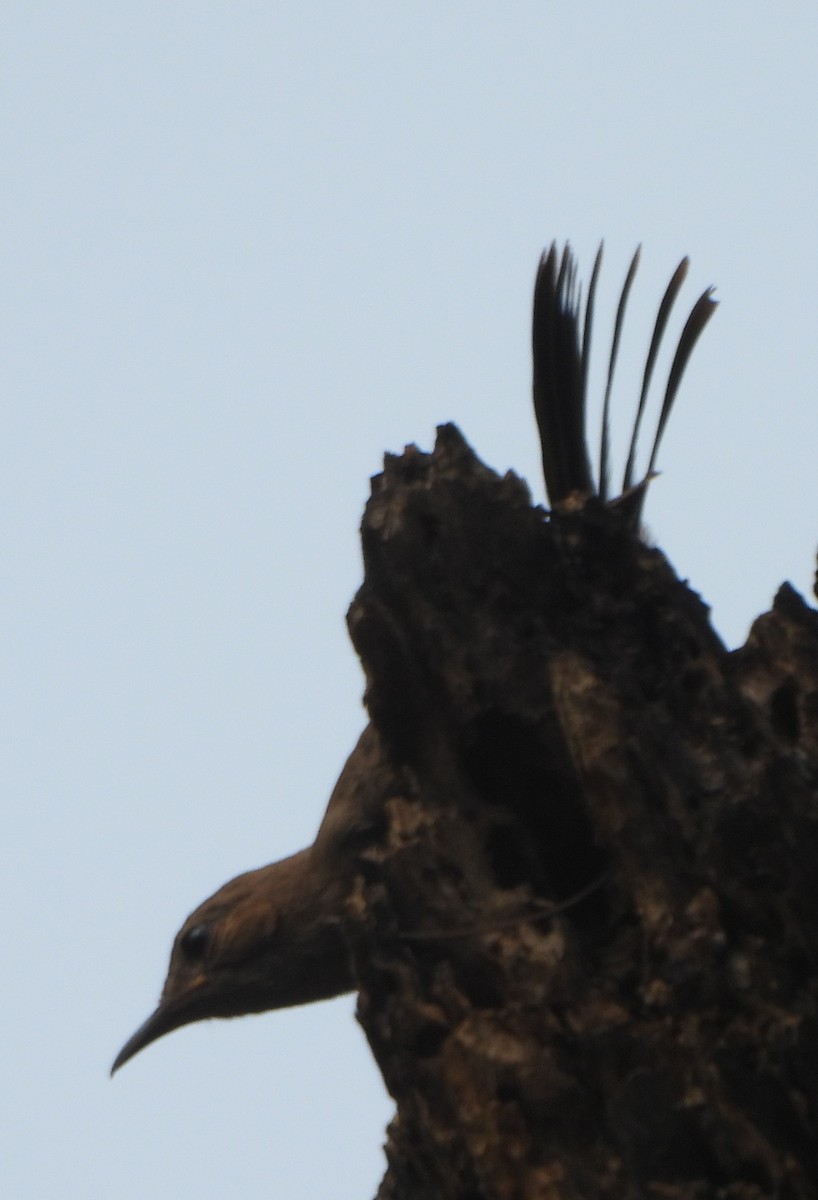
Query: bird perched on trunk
(274, 937)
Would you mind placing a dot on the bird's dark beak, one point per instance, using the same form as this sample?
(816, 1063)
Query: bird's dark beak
(160, 1022)
(171, 1012)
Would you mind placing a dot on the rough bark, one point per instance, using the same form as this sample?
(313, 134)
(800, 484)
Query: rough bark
(559, 713)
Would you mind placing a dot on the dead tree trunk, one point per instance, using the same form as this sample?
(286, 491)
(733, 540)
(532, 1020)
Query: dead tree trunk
(566, 729)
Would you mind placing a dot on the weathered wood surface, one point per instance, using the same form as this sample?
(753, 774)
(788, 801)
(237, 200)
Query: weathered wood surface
(558, 711)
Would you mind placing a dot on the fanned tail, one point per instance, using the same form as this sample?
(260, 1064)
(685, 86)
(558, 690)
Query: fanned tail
(561, 343)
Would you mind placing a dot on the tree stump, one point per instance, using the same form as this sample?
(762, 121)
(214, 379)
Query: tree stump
(585, 929)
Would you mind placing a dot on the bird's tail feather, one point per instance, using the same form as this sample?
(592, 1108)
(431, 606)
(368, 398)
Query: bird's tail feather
(561, 366)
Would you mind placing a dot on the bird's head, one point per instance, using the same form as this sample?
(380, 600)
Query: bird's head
(270, 938)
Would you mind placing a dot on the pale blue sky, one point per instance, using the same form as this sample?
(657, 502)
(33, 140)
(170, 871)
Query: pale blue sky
(246, 248)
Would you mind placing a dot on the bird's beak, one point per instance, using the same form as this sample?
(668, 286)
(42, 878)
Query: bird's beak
(169, 1014)
(158, 1023)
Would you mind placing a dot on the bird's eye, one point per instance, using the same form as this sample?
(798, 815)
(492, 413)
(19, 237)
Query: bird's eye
(194, 943)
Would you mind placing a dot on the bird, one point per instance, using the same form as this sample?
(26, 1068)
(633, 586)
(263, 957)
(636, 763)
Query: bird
(274, 937)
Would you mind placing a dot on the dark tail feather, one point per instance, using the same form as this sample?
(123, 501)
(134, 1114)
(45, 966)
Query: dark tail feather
(617, 333)
(668, 301)
(589, 320)
(700, 314)
(559, 396)
(561, 363)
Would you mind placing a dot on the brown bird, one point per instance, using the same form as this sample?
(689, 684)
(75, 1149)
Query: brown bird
(273, 937)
